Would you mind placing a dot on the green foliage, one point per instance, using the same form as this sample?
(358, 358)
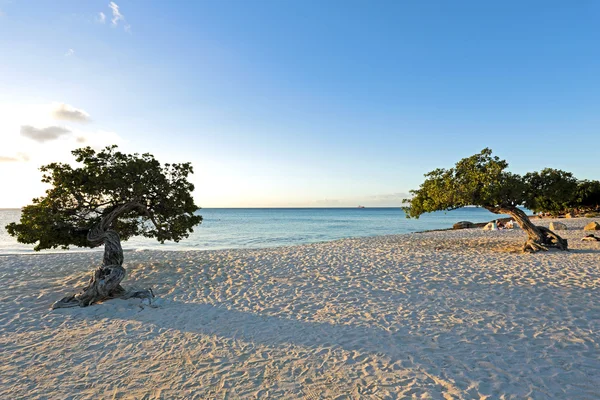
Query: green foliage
(550, 191)
(587, 195)
(482, 180)
(479, 180)
(80, 197)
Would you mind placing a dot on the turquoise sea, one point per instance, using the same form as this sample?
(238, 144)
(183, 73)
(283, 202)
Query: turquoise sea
(234, 228)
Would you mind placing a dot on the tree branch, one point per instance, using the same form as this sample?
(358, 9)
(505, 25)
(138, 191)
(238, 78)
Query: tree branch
(151, 217)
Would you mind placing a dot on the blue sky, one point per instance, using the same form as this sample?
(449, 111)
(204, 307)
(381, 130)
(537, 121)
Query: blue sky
(301, 103)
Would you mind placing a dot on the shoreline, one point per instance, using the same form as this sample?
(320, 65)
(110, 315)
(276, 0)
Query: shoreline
(260, 229)
(476, 225)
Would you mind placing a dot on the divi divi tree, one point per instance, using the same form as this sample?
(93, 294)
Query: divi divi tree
(108, 197)
(482, 180)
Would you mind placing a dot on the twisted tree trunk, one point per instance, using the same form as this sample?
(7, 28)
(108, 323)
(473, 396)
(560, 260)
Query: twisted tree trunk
(539, 237)
(105, 283)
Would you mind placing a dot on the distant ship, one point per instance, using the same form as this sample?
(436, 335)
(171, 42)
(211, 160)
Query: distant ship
(361, 206)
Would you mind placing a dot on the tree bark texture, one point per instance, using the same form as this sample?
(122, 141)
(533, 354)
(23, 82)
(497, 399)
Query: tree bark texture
(538, 237)
(105, 282)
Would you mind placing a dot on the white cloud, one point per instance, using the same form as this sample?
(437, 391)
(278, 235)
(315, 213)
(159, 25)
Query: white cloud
(43, 134)
(32, 129)
(116, 17)
(21, 155)
(69, 113)
(116, 14)
(69, 53)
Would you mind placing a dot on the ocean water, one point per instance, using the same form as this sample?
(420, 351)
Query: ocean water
(234, 228)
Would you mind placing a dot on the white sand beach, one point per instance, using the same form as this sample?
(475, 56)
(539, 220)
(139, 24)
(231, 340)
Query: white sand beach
(450, 314)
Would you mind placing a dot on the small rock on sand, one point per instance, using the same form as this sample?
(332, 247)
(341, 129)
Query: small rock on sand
(557, 226)
(462, 225)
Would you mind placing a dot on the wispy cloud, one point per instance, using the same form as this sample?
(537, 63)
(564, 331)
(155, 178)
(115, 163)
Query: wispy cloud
(328, 202)
(378, 200)
(117, 17)
(19, 157)
(98, 139)
(116, 14)
(390, 197)
(43, 134)
(69, 113)
(69, 53)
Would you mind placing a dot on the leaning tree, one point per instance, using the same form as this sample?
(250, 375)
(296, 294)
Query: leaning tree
(481, 180)
(110, 196)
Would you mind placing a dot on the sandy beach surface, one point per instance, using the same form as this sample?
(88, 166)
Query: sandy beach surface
(453, 314)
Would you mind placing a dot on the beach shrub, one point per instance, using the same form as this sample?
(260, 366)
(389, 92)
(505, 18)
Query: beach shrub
(482, 180)
(108, 197)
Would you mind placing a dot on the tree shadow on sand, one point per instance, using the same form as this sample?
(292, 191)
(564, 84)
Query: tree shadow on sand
(585, 251)
(433, 336)
(509, 336)
(206, 319)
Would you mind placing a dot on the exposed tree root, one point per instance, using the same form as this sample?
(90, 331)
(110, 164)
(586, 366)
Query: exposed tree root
(104, 285)
(590, 238)
(548, 239)
(538, 237)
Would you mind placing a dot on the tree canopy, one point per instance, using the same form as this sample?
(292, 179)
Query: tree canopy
(550, 190)
(587, 195)
(156, 200)
(480, 180)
